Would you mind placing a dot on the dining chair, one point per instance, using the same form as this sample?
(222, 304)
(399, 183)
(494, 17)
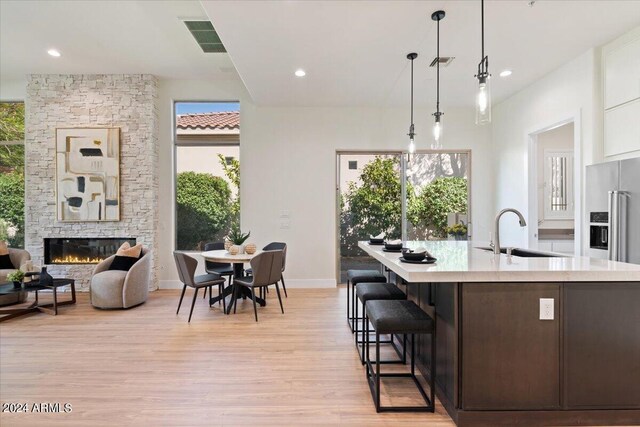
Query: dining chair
(267, 270)
(273, 246)
(221, 268)
(186, 271)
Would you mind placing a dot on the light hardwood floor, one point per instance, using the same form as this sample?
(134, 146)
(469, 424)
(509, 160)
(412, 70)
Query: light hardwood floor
(148, 367)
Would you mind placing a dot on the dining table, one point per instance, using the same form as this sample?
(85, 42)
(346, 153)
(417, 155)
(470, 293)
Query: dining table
(238, 261)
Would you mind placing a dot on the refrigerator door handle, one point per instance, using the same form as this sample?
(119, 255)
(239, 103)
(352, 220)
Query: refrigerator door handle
(621, 212)
(613, 226)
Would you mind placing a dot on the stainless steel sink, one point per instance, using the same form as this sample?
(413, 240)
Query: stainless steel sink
(523, 253)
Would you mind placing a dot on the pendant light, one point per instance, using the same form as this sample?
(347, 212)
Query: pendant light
(437, 126)
(483, 96)
(412, 134)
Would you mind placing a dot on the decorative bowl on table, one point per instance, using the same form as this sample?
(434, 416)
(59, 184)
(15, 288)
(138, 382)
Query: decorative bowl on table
(251, 248)
(234, 249)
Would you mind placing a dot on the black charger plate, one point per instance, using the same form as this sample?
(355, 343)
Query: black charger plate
(424, 261)
(376, 243)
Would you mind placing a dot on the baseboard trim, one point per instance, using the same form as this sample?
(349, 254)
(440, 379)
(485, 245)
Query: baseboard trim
(291, 283)
(310, 283)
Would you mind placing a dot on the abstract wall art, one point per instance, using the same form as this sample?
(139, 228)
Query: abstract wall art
(88, 174)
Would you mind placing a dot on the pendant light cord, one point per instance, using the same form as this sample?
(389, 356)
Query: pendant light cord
(482, 24)
(438, 68)
(412, 92)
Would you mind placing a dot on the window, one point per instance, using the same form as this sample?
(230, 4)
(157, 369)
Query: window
(12, 173)
(353, 164)
(558, 184)
(207, 167)
(434, 206)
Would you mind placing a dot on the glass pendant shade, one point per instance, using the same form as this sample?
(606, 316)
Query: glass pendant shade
(437, 131)
(483, 102)
(412, 146)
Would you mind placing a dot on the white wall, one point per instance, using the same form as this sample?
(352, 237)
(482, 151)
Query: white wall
(289, 164)
(571, 90)
(13, 90)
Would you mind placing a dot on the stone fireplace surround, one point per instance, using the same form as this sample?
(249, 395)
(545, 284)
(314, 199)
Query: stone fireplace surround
(100, 100)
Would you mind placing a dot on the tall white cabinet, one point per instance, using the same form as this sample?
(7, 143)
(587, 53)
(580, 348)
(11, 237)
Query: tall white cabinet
(621, 75)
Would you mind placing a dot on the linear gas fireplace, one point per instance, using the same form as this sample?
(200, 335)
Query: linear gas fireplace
(86, 250)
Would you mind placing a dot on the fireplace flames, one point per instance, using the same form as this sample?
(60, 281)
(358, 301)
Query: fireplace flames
(72, 259)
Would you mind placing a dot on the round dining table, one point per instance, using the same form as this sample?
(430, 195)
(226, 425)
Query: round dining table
(238, 262)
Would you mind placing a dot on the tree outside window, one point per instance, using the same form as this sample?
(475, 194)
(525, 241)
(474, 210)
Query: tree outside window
(12, 173)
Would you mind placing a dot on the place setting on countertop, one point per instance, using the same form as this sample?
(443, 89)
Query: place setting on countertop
(393, 246)
(417, 256)
(376, 240)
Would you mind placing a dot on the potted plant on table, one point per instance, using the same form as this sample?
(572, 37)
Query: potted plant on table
(16, 277)
(458, 231)
(237, 238)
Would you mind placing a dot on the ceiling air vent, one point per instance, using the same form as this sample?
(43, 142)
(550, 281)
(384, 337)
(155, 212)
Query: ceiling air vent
(444, 61)
(205, 36)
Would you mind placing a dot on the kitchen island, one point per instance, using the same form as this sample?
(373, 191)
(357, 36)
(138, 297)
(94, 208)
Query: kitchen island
(527, 340)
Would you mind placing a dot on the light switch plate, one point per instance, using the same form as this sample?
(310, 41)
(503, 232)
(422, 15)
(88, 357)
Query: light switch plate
(546, 309)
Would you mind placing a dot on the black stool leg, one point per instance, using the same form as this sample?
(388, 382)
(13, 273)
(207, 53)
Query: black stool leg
(184, 288)
(378, 372)
(353, 306)
(195, 295)
(404, 350)
(348, 306)
(432, 380)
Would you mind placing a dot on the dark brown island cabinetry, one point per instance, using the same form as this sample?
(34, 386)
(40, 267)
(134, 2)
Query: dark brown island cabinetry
(499, 364)
(601, 345)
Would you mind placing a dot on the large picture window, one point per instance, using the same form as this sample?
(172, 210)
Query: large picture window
(207, 166)
(12, 173)
(370, 201)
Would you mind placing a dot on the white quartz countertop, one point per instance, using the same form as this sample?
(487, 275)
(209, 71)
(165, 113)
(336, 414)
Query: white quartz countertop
(461, 261)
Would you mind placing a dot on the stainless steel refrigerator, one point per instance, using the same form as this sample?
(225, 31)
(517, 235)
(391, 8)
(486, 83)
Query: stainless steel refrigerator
(613, 210)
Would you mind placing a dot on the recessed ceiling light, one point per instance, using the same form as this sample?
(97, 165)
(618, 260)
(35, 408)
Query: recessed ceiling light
(54, 52)
(505, 73)
(300, 73)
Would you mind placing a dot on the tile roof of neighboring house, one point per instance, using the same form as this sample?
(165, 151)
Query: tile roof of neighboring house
(221, 120)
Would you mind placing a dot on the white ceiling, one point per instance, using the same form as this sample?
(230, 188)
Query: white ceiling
(354, 52)
(105, 37)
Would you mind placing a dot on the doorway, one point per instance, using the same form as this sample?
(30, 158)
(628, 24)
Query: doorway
(552, 189)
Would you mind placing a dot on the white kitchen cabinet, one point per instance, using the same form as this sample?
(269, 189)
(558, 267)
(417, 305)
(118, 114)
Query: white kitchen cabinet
(621, 95)
(621, 72)
(622, 129)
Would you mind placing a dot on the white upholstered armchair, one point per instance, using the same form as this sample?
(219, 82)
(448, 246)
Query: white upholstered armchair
(121, 289)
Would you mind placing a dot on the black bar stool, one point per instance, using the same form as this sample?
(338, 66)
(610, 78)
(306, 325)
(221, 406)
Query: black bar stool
(353, 278)
(377, 291)
(399, 317)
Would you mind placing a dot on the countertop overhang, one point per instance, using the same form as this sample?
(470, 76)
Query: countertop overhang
(462, 261)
